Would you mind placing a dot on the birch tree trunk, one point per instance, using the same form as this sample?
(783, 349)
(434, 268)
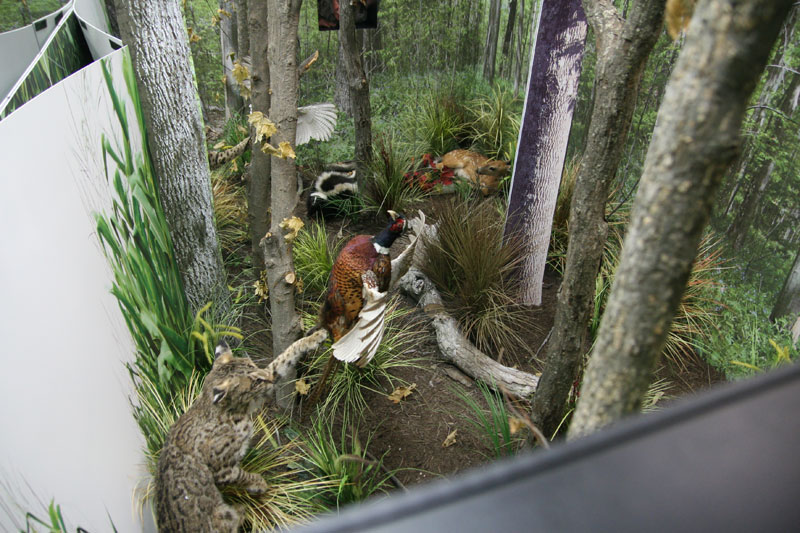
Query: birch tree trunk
(258, 184)
(492, 34)
(159, 47)
(550, 101)
(623, 47)
(359, 87)
(283, 19)
(228, 48)
(695, 139)
(788, 301)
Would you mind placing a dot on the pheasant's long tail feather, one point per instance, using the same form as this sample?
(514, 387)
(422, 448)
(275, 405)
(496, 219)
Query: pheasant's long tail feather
(360, 344)
(330, 367)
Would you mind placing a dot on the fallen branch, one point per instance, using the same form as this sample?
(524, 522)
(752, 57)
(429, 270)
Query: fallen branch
(457, 349)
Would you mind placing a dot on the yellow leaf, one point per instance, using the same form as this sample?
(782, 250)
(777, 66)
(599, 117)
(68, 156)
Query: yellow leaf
(302, 387)
(515, 424)
(402, 392)
(223, 13)
(285, 150)
(263, 126)
(299, 284)
(214, 20)
(450, 439)
(193, 37)
(747, 365)
(240, 72)
(220, 145)
(783, 353)
(293, 226)
(260, 287)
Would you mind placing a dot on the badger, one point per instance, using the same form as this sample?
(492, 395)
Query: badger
(336, 183)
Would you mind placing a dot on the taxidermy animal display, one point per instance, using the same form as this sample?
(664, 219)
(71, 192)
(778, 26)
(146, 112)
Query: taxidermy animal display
(205, 446)
(338, 182)
(354, 309)
(313, 122)
(478, 170)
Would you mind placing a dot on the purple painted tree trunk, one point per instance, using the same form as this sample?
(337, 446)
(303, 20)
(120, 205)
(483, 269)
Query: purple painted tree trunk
(550, 102)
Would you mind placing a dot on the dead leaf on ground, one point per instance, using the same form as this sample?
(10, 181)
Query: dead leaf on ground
(302, 387)
(450, 439)
(401, 393)
(515, 424)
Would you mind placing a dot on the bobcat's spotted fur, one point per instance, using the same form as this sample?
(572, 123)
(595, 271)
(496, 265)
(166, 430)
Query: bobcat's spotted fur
(205, 447)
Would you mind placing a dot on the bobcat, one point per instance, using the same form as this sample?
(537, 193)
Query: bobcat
(479, 170)
(207, 443)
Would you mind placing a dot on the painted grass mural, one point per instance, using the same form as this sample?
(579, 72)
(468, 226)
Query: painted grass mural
(67, 53)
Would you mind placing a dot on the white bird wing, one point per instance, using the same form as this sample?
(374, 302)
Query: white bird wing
(402, 262)
(360, 344)
(315, 121)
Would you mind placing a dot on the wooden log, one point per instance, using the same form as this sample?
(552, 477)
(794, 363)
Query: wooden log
(457, 349)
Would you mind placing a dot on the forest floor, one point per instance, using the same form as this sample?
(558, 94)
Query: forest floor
(410, 435)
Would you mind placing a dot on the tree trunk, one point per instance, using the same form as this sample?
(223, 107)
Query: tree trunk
(258, 184)
(242, 30)
(359, 88)
(341, 93)
(761, 118)
(228, 48)
(552, 87)
(623, 47)
(159, 48)
(519, 55)
(788, 301)
(492, 33)
(283, 19)
(695, 139)
(508, 38)
(760, 169)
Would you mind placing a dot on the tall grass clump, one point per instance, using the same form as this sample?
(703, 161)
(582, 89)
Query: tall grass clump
(494, 123)
(387, 186)
(476, 274)
(172, 343)
(295, 492)
(438, 121)
(353, 475)
(492, 424)
(230, 212)
(314, 255)
(347, 386)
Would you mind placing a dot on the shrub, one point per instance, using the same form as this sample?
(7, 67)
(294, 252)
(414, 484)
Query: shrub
(346, 387)
(314, 255)
(387, 186)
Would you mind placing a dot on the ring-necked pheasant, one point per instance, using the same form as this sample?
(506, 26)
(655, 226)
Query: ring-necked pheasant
(354, 308)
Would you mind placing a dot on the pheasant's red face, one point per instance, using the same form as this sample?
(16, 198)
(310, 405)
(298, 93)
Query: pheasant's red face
(398, 225)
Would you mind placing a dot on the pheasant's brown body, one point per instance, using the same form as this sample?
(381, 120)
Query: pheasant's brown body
(345, 293)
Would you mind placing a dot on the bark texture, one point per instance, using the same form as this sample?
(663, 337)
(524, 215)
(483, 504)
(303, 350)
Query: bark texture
(550, 101)
(456, 349)
(159, 47)
(258, 184)
(622, 50)
(283, 19)
(359, 88)
(788, 301)
(228, 36)
(492, 34)
(696, 138)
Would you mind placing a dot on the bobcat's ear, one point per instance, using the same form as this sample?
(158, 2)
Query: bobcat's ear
(220, 391)
(223, 353)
